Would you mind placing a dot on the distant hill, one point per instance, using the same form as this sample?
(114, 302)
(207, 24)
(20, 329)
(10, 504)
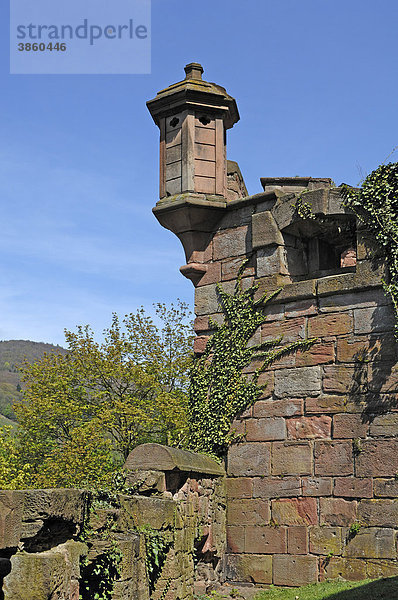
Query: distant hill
(12, 354)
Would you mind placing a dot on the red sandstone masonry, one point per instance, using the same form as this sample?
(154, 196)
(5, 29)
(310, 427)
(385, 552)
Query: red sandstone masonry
(309, 427)
(330, 325)
(297, 540)
(334, 458)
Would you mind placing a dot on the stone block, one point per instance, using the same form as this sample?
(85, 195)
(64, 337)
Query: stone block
(319, 354)
(386, 488)
(11, 515)
(337, 512)
(316, 486)
(239, 487)
(291, 458)
(248, 511)
(381, 568)
(265, 540)
(301, 308)
(294, 570)
(371, 543)
(235, 539)
(271, 260)
(200, 343)
(383, 378)
(252, 568)
(265, 231)
(353, 487)
(249, 459)
(67, 504)
(333, 458)
(349, 426)
(231, 267)
(305, 381)
(275, 487)
(378, 513)
(262, 430)
(230, 243)
(211, 275)
(325, 404)
(328, 325)
(141, 510)
(294, 511)
(326, 540)
(309, 427)
(350, 569)
(290, 329)
(342, 379)
(286, 407)
(351, 300)
(206, 300)
(297, 540)
(377, 458)
(384, 426)
(372, 320)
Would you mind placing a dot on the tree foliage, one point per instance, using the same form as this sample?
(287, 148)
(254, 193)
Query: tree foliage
(84, 411)
(220, 390)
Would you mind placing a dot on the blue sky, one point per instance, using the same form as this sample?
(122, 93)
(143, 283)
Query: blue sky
(317, 89)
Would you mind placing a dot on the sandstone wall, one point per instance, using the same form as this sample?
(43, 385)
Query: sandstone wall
(312, 488)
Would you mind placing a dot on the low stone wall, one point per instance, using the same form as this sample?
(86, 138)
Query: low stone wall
(52, 540)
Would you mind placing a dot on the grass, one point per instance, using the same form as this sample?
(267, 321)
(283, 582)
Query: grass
(379, 589)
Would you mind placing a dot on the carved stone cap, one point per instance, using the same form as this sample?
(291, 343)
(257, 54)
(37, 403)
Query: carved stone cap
(195, 94)
(156, 457)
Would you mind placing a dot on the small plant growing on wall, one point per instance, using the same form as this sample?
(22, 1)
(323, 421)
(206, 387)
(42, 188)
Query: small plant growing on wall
(220, 390)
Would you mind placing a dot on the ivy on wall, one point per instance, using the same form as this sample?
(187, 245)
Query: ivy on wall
(220, 390)
(375, 204)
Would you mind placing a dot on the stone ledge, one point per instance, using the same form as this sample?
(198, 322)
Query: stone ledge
(155, 457)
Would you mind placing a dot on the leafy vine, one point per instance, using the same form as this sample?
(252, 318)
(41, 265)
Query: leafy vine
(220, 390)
(375, 204)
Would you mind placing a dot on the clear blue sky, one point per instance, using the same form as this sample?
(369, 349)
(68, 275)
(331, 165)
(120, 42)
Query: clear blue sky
(317, 89)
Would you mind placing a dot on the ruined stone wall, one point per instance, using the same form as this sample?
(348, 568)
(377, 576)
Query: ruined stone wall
(312, 488)
(50, 540)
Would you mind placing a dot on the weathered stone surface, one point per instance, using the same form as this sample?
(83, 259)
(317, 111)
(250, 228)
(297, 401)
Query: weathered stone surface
(239, 487)
(262, 430)
(331, 324)
(316, 486)
(337, 512)
(11, 514)
(141, 510)
(351, 569)
(250, 568)
(381, 568)
(326, 540)
(384, 426)
(265, 540)
(371, 543)
(235, 539)
(249, 459)
(206, 300)
(377, 458)
(231, 267)
(353, 487)
(319, 354)
(291, 458)
(333, 458)
(293, 570)
(271, 260)
(309, 427)
(301, 308)
(349, 426)
(325, 404)
(383, 378)
(251, 511)
(199, 344)
(229, 243)
(286, 407)
(386, 488)
(265, 231)
(371, 320)
(342, 379)
(289, 329)
(297, 540)
(52, 574)
(145, 481)
(305, 381)
(378, 513)
(211, 275)
(294, 511)
(276, 487)
(350, 300)
(157, 457)
(68, 504)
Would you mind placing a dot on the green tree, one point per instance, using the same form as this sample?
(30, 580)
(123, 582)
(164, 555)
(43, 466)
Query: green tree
(83, 412)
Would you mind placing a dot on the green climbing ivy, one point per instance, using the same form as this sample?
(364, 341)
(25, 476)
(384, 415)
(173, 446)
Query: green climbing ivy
(220, 390)
(375, 204)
